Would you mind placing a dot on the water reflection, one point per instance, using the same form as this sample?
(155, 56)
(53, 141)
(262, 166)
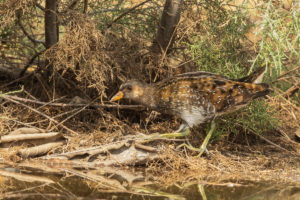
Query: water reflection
(110, 183)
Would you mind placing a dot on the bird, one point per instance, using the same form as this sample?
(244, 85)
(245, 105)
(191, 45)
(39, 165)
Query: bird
(196, 97)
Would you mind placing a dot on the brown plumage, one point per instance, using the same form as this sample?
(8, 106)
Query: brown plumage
(196, 97)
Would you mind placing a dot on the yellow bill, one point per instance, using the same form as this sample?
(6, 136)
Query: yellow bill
(117, 96)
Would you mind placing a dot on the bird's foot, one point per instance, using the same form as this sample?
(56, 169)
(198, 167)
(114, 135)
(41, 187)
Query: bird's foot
(202, 148)
(184, 133)
(188, 145)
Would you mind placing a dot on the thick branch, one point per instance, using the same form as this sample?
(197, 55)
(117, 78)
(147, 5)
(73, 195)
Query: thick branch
(40, 6)
(30, 62)
(85, 7)
(27, 34)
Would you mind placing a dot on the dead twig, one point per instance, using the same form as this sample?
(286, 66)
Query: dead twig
(40, 6)
(106, 182)
(7, 97)
(125, 13)
(16, 80)
(144, 147)
(30, 62)
(288, 72)
(292, 90)
(26, 33)
(117, 106)
(265, 139)
(70, 116)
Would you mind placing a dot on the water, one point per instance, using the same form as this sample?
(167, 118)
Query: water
(70, 186)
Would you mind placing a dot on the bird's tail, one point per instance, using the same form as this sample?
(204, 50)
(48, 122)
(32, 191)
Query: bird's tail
(262, 90)
(254, 77)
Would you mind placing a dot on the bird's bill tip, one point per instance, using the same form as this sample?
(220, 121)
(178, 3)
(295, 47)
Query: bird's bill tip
(117, 96)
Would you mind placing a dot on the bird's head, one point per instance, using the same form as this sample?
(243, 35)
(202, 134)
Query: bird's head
(133, 90)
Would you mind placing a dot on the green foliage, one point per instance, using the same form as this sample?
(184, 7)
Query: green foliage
(223, 48)
(142, 21)
(258, 117)
(280, 33)
(218, 49)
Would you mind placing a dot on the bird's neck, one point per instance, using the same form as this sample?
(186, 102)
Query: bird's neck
(147, 97)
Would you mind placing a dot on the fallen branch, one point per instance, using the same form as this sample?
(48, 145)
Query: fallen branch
(39, 150)
(21, 137)
(123, 155)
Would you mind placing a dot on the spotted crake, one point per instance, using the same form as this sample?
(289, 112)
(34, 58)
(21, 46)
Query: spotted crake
(196, 97)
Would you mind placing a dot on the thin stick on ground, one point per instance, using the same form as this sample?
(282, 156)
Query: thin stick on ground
(130, 107)
(70, 116)
(265, 139)
(7, 97)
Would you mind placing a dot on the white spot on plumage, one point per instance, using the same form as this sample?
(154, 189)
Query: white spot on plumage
(196, 115)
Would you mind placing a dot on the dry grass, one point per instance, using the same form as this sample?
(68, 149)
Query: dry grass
(8, 10)
(226, 166)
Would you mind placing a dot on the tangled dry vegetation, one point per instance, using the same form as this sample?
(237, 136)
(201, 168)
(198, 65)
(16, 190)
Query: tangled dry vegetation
(89, 65)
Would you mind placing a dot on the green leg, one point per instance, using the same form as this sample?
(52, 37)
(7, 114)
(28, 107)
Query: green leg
(207, 138)
(202, 148)
(171, 135)
(202, 191)
(184, 133)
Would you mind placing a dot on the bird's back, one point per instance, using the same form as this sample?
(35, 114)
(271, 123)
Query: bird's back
(200, 96)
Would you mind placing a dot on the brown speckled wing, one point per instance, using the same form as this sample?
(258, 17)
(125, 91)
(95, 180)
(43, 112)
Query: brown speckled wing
(206, 90)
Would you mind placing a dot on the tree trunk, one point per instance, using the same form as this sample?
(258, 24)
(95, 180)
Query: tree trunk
(51, 29)
(167, 26)
(51, 33)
